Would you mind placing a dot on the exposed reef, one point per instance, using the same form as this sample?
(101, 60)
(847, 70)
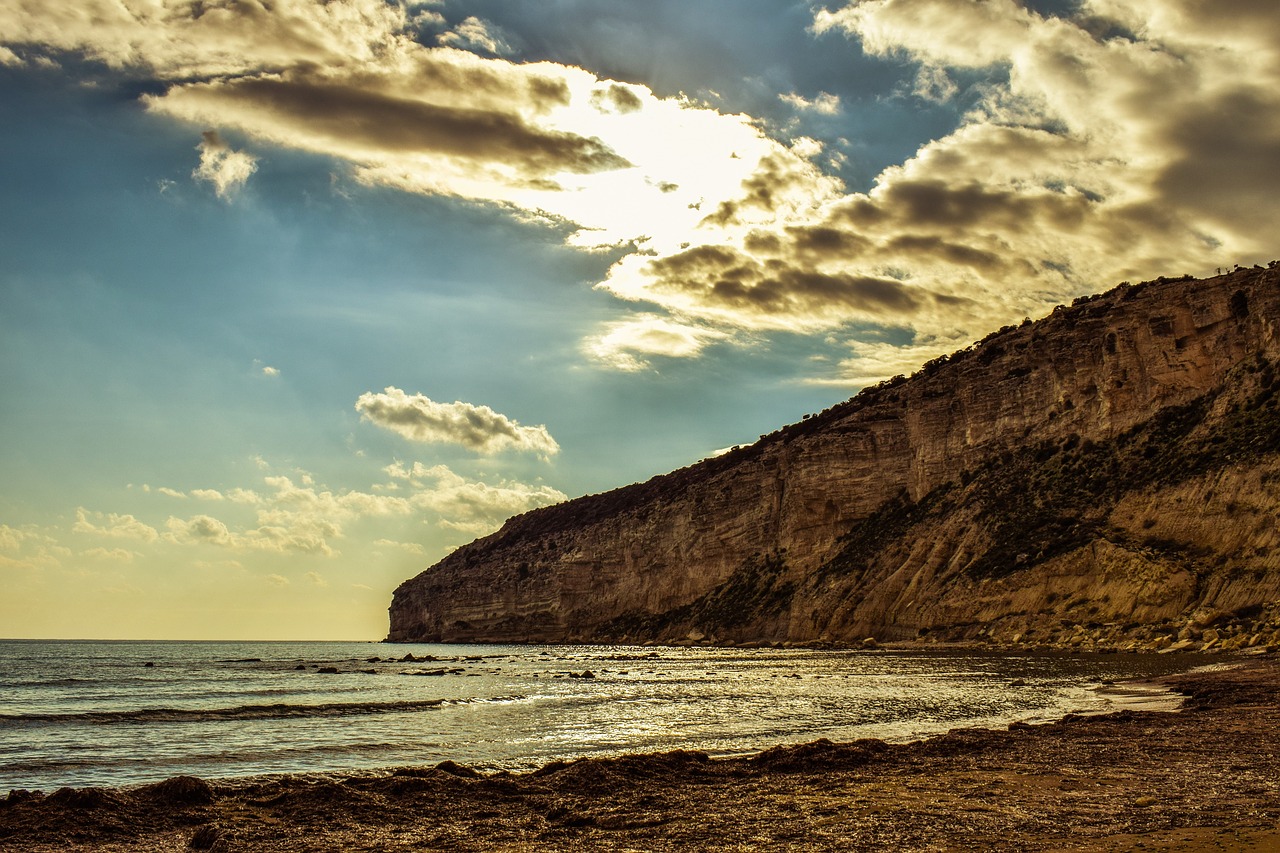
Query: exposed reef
(1106, 476)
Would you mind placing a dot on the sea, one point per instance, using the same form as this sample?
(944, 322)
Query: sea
(95, 713)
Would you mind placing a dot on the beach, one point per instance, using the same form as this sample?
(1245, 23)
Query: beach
(1206, 777)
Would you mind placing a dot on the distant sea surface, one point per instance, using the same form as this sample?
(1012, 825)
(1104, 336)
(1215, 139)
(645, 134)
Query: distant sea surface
(123, 713)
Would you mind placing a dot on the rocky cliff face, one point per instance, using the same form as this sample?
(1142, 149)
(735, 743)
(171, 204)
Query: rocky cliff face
(1109, 474)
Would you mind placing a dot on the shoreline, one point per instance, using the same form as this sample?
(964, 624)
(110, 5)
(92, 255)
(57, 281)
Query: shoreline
(1207, 777)
(995, 688)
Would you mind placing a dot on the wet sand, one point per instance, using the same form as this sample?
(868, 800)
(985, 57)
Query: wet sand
(1203, 778)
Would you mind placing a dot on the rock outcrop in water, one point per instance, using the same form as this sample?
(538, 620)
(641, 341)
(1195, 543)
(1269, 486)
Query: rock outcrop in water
(1109, 474)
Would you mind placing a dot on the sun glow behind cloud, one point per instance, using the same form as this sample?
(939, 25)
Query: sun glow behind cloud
(1084, 166)
(1060, 181)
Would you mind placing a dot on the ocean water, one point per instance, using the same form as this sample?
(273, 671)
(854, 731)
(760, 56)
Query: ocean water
(123, 713)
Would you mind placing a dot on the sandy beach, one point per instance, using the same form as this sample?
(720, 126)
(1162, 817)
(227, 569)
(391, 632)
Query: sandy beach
(1206, 777)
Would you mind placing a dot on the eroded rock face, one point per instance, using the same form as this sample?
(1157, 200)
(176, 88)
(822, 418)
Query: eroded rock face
(1116, 463)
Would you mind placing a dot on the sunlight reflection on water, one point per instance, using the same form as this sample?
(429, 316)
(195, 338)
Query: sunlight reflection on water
(93, 713)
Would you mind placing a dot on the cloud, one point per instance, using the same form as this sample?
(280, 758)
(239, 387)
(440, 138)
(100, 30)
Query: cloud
(1126, 140)
(823, 104)
(208, 495)
(311, 519)
(118, 555)
(202, 529)
(346, 79)
(1121, 139)
(875, 361)
(478, 428)
(278, 581)
(372, 124)
(629, 345)
(777, 283)
(30, 549)
(461, 501)
(316, 579)
(226, 169)
(178, 39)
(618, 98)
(11, 538)
(1119, 121)
(113, 525)
(467, 506)
(474, 529)
(477, 35)
(412, 547)
(270, 372)
(933, 84)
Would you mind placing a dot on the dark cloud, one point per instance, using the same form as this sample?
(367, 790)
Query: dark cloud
(825, 241)
(485, 85)
(952, 253)
(765, 191)
(934, 203)
(616, 98)
(719, 277)
(1226, 158)
(368, 119)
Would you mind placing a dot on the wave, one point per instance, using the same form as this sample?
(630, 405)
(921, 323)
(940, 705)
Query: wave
(54, 682)
(244, 712)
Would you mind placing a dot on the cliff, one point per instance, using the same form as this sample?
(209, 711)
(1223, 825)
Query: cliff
(1109, 474)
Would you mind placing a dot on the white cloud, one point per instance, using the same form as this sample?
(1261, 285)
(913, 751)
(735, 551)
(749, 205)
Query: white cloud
(824, 103)
(277, 580)
(8, 57)
(178, 39)
(876, 361)
(316, 579)
(479, 428)
(427, 18)
(202, 529)
(113, 525)
(30, 549)
(119, 555)
(474, 529)
(629, 344)
(933, 84)
(172, 493)
(269, 371)
(227, 170)
(441, 490)
(208, 495)
(289, 518)
(460, 501)
(411, 547)
(475, 34)
(11, 538)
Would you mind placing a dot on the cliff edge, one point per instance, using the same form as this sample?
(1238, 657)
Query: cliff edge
(1107, 475)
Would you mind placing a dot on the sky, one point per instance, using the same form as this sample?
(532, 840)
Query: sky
(298, 296)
